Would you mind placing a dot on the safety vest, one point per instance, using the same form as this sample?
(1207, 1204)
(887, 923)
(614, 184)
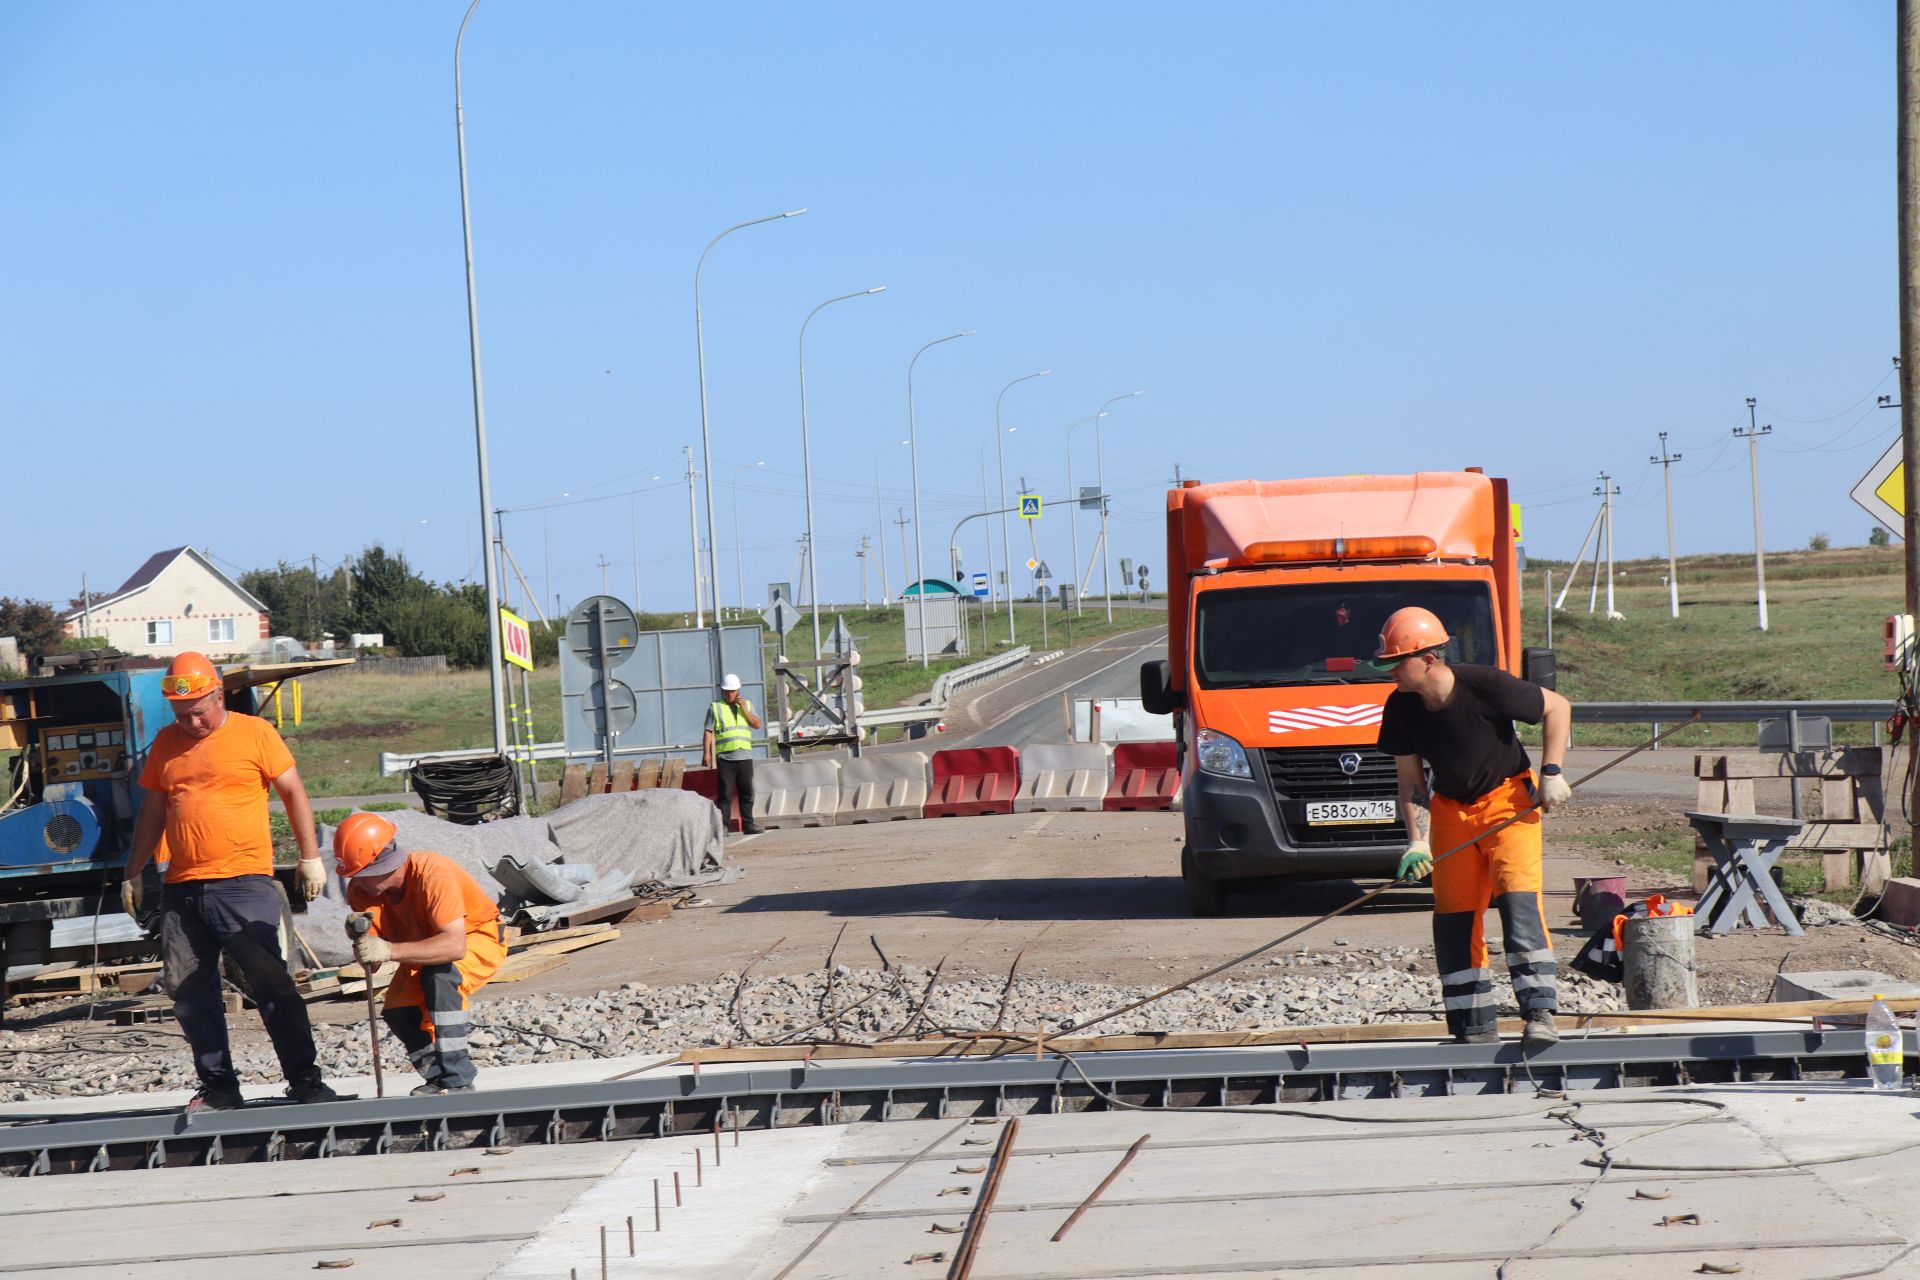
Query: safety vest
(732, 732)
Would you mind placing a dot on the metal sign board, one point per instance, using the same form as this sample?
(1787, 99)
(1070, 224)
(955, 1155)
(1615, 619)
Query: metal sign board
(1126, 569)
(781, 616)
(1883, 491)
(1040, 571)
(1089, 497)
(1043, 594)
(1143, 577)
(669, 680)
(516, 639)
(980, 586)
(839, 640)
(1032, 563)
(614, 618)
(1030, 506)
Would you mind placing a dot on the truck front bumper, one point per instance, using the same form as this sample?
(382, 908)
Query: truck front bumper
(1235, 831)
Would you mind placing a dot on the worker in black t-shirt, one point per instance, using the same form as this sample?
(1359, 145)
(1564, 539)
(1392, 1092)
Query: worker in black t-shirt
(1459, 721)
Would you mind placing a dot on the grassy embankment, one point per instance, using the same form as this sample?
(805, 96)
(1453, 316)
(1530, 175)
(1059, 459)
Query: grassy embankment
(348, 720)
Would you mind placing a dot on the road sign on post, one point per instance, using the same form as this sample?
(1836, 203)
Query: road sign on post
(1126, 569)
(1882, 491)
(1030, 506)
(1089, 497)
(516, 639)
(780, 615)
(980, 586)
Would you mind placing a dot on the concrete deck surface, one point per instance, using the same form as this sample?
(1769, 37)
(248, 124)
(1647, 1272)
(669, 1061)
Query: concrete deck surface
(1789, 1181)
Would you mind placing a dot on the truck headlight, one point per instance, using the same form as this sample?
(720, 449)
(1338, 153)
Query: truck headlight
(1222, 755)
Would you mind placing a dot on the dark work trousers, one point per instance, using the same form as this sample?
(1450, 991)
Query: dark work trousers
(734, 777)
(440, 1058)
(240, 916)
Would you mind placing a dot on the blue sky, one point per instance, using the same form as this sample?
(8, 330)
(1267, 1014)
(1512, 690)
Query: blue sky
(1322, 239)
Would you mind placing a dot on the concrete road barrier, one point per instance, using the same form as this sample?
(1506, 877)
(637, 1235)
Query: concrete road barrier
(804, 793)
(1146, 775)
(1063, 778)
(883, 788)
(968, 781)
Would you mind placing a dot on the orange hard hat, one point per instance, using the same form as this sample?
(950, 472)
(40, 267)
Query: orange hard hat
(360, 841)
(1409, 631)
(189, 676)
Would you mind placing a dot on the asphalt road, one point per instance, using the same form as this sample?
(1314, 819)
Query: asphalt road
(1026, 709)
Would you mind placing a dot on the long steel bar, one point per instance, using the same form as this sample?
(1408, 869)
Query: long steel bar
(798, 1094)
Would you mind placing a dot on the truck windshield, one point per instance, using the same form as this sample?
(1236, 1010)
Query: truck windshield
(1326, 632)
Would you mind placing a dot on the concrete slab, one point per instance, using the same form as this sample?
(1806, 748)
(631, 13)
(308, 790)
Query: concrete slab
(1841, 984)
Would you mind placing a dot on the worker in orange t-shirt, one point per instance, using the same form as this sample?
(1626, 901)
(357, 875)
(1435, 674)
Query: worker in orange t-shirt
(435, 921)
(207, 775)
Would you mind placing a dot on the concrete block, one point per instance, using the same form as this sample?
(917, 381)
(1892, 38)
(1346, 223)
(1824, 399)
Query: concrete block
(1841, 984)
(883, 787)
(803, 793)
(1901, 904)
(1063, 778)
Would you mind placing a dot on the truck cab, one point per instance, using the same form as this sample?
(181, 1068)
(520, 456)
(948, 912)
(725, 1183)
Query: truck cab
(1278, 591)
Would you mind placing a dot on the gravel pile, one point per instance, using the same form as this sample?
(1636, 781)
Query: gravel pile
(1304, 988)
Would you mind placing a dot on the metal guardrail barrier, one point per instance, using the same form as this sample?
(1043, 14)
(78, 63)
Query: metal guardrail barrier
(1790, 714)
(951, 682)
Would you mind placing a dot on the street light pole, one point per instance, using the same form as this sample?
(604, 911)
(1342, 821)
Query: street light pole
(1100, 463)
(706, 437)
(1753, 434)
(919, 543)
(496, 671)
(806, 458)
(1006, 538)
(739, 573)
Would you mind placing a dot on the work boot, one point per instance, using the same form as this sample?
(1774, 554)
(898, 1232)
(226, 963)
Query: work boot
(311, 1089)
(430, 1089)
(1539, 1031)
(1489, 1036)
(751, 829)
(215, 1097)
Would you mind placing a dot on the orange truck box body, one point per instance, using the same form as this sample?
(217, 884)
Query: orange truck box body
(1279, 665)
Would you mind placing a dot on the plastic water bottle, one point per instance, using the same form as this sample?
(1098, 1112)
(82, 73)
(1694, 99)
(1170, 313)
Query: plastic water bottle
(1886, 1059)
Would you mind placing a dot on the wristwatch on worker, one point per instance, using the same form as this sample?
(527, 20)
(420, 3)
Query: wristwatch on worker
(1549, 770)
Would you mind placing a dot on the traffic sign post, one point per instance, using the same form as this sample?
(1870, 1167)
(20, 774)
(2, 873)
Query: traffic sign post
(1882, 491)
(979, 586)
(780, 615)
(598, 627)
(1030, 505)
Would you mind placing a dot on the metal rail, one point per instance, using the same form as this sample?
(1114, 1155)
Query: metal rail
(1726, 712)
(784, 1095)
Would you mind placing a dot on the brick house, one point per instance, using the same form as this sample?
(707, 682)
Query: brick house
(176, 600)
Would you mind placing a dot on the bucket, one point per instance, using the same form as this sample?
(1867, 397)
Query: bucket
(1598, 899)
(1657, 952)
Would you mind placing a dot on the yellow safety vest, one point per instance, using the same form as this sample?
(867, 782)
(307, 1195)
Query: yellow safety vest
(732, 732)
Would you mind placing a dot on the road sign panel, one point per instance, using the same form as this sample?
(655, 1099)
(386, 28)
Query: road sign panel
(612, 614)
(1089, 497)
(1033, 564)
(1883, 491)
(980, 586)
(780, 616)
(516, 640)
(1029, 506)
(1040, 571)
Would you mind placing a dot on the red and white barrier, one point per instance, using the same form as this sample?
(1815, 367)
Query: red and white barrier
(968, 781)
(1146, 776)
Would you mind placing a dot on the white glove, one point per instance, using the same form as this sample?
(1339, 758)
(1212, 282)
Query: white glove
(372, 951)
(313, 877)
(1554, 790)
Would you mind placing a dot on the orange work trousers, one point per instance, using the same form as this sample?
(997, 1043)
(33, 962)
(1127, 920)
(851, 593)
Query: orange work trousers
(1502, 870)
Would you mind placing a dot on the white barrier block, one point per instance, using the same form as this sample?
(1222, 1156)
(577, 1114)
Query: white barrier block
(1063, 777)
(884, 787)
(804, 793)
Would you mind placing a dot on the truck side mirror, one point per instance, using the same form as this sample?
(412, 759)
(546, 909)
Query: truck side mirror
(1157, 695)
(1538, 666)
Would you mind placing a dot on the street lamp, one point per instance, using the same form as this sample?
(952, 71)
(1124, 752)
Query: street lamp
(706, 438)
(806, 458)
(739, 575)
(496, 671)
(1006, 543)
(1100, 463)
(880, 514)
(919, 544)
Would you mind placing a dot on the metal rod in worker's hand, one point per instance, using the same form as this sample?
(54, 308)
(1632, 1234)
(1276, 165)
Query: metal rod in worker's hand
(373, 1034)
(1371, 894)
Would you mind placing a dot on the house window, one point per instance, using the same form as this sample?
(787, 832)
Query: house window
(159, 633)
(219, 629)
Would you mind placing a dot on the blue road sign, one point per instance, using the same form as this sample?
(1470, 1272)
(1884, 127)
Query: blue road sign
(1029, 506)
(980, 586)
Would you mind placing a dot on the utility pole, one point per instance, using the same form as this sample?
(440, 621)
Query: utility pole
(313, 617)
(693, 536)
(1666, 461)
(1607, 491)
(1752, 435)
(603, 573)
(1907, 148)
(866, 597)
(903, 522)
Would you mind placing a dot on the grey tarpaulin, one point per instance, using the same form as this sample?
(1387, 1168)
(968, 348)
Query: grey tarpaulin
(666, 836)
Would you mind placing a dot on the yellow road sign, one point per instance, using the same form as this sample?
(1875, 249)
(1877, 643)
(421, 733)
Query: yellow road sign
(1883, 491)
(1029, 506)
(516, 639)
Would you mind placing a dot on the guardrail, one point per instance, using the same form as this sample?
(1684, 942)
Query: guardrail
(951, 682)
(1858, 710)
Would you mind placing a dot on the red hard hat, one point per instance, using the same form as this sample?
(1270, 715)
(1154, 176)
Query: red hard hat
(189, 676)
(360, 839)
(1409, 631)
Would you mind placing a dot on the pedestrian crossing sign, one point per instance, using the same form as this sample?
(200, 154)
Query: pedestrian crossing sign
(1029, 506)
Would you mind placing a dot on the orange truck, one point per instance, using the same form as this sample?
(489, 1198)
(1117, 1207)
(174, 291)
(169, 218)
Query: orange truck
(1277, 590)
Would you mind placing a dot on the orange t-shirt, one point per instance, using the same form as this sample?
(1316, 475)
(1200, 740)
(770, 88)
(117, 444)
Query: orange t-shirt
(437, 890)
(215, 789)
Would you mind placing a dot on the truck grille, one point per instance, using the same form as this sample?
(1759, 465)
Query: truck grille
(1300, 774)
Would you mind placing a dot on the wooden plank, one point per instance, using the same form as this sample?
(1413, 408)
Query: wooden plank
(1739, 796)
(1836, 869)
(1839, 835)
(1872, 799)
(527, 965)
(520, 939)
(562, 947)
(1839, 802)
(1710, 796)
(648, 775)
(573, 783)
(597, 779)
(622, 776)
(673, 773)
(1833, 762)
(1709, 765)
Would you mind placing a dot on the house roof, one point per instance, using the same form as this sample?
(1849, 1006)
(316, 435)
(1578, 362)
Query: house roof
(152, 568)
(933, 587)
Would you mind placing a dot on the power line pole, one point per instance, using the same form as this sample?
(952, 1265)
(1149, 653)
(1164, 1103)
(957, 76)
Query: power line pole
(1607, 491)
(603, 573)
(1752, 435)
(1907, 148)
(903, 522)
(866, 597)
(693, 536)
(1666, 461)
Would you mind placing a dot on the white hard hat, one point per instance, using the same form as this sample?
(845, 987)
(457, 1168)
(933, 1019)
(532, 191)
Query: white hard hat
(729, 682)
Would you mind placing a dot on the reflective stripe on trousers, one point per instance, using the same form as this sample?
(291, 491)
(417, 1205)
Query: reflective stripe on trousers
(1502, 870)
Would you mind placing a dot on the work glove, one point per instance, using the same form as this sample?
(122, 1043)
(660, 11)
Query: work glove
(130, 896)
(1416, 863)
(313, 877)
(372, 951)
(1554, 790)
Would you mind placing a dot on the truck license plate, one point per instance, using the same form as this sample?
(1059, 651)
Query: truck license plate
(1328, 813)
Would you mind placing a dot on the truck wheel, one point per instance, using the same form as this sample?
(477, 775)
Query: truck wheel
(1206, 896)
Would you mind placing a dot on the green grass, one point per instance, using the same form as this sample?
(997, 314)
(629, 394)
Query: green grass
(285, 848)
(1670, 852)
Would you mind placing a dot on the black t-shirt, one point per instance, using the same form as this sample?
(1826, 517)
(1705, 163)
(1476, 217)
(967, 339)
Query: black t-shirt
(1469, 742)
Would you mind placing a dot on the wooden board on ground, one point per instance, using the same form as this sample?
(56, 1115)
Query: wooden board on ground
(573, 783)
(527, 964)
(520, 939)
(86, 981)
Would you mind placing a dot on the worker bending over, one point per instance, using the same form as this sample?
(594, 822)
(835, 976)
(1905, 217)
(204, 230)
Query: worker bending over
(1459, 721)
(435, 921)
